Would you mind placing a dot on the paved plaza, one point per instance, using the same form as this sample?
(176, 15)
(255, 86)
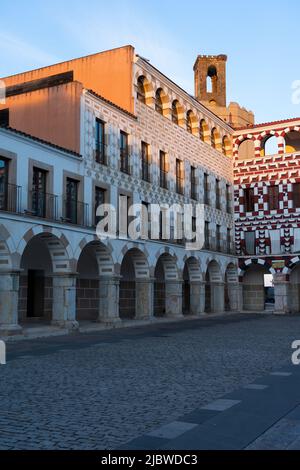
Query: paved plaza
(225, 382)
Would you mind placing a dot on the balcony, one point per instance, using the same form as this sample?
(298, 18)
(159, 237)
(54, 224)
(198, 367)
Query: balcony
(10, 198)
(75, 212)
(43, 205)
(163, 179)
(100, 154)
(146, 171)
(125, 162)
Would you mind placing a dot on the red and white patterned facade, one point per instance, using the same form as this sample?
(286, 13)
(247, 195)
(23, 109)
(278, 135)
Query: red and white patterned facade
(260, 171)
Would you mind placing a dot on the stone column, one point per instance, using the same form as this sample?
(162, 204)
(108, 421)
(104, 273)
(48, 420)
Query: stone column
(235, 296)
(144, 296)
(197, 298)
(217, 297)
(281, 291)
(173, 298)
(9, 295)
(109, 288)
(64, 301)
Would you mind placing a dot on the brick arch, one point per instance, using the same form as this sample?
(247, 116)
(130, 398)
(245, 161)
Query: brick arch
(7, 249)
(231, 273)
(214, 270)
(58, 246)
(291, 265)
(289, 129)
(140, 260)
(102, 253)
(170, 263)
(255, 262)
(240, 140)
(265, 134)
(148, 86)
(193, 267)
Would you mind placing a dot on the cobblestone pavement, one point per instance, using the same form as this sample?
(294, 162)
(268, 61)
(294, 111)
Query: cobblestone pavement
(100, 390)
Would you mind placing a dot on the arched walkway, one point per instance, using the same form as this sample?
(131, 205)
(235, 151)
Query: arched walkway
(135, 287)
(94, 266)
(256, 289)
(45, 262)
(214, 289)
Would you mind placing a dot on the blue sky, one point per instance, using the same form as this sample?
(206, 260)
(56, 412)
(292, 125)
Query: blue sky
(260, 38)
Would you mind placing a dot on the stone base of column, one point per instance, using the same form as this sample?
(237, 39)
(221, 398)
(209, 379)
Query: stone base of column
(71, 325)
(174, 299)
(197, 299)
(281, 291)
(10, 330)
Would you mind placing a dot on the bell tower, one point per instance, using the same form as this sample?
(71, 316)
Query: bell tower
(210, 79)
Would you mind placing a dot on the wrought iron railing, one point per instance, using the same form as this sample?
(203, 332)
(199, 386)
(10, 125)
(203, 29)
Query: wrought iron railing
(43, 205)
(75, 212)
(10, 198)
(125, 162)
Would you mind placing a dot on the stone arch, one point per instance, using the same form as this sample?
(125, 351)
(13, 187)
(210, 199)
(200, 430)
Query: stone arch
(162, 101)
(214, 288)
(226, 146)
(245, 149)
(255, 293)
(269, 144)
(135, 290)
(59, 247)
(144, 89)
(215, 139)
(6, 250)
(204, 131)
(192, 122)
(94, 266)
(292, 139)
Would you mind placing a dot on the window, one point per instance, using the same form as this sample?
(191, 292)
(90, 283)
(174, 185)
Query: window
(193, 183)
(228, 240)
(145, 162)
(3, 184)
(249, 199)
(163, 170)
(100, 199)
(179, 176)
(218, 238)
(100, 142)
(214, 138)
(249, 243)
(124, 154)
(273, 194)
(206, 189)
(206, 236)
(141, 95)
(228, 199)
(175, 112)
(71, 200)
(202, 130)
(218, 195)
(4, 117)
(39, 182)
(189, 125)
(296, 195)
(158, 101)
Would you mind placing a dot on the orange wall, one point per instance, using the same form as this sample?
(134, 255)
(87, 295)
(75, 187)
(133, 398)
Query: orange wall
(52, 114)
(107, 73)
